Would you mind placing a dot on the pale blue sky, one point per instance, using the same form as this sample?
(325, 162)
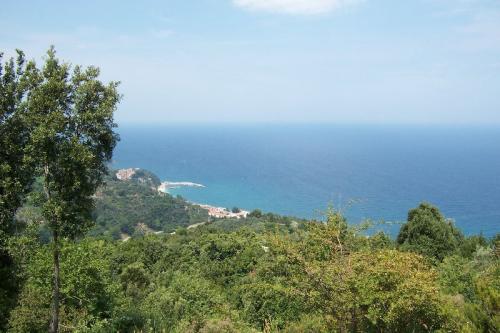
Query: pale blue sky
(342, 61)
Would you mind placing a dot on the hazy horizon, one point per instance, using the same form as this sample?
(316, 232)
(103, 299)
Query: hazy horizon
(223, 123)
(236, 61)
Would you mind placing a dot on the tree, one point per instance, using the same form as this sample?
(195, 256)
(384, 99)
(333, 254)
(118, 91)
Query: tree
(428, 232)
(15, 173)
(71, 113)
(257, 213)
(16, 167)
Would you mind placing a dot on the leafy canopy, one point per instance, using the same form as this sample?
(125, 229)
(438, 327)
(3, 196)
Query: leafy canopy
(428, 232)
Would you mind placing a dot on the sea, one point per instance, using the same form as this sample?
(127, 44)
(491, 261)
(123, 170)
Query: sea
(370, 172)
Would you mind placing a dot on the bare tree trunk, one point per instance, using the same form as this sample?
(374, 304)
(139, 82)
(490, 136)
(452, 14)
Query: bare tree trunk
(54, 323)
(56, 283)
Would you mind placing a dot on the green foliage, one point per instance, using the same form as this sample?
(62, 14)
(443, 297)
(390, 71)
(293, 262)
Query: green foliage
(16, 167)
(456, 277)
(71, 121)
(427, 232)
(228, 258)
(71, 114)
(262, 224)
(487, 287)
(225, 325)
(307, 324)
(256, 213)
(274, 302)
(323, 277)
(134, 279)
(8, 289)
(88, 289)
(184, 297)
(396, 292)
(55, 123)
(470, 244)
(380, 240)
(122, 207)
(147, 178)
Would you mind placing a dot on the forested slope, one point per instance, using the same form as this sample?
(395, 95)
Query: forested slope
(134, 206)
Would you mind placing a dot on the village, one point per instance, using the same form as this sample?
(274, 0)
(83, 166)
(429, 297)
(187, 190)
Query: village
(221, 213)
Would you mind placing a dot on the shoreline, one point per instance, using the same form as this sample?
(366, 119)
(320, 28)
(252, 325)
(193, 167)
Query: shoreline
(166, 185)
(213, 211)
(221, 212)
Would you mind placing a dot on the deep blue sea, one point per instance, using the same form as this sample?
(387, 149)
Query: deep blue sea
(376, 172)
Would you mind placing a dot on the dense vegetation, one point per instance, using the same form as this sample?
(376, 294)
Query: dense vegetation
(249, 277)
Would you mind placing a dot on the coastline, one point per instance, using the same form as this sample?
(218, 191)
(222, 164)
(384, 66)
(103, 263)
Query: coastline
(213, 211)
(221, 212)
(166, 185)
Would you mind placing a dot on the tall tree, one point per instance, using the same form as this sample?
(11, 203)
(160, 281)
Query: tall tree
(16, 168)
(71, 113)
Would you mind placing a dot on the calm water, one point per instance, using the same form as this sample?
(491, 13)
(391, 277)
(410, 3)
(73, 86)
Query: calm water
(298, 170)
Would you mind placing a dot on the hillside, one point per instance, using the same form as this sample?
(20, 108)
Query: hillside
(133, 206)
(280, 276)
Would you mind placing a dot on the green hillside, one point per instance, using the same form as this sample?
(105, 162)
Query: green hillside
(134, 206)
(269, 274)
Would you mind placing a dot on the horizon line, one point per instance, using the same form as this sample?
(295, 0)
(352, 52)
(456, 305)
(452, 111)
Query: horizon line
(308, 123)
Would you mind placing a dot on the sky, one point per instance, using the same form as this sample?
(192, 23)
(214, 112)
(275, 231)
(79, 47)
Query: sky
(297, 61)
